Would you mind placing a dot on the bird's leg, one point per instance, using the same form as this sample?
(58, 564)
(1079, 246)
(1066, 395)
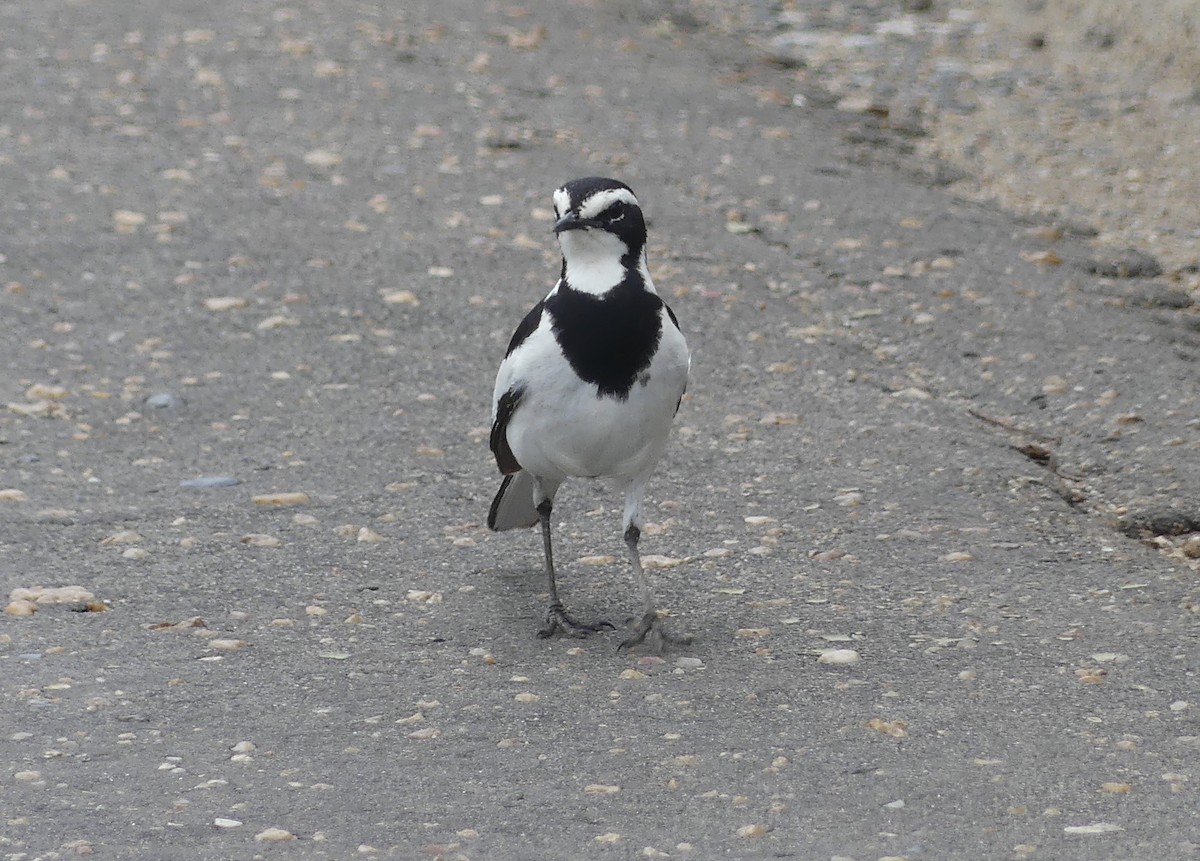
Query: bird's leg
(649, 628)
(557, 620)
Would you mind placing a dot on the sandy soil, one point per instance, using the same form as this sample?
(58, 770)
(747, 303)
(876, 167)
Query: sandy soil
(1103, 119)
(1085, 112)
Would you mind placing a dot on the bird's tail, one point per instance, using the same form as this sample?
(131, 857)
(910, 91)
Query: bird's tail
(513, 506)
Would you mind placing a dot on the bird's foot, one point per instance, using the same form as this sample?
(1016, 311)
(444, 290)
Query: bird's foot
(651, 631)
(558, 622)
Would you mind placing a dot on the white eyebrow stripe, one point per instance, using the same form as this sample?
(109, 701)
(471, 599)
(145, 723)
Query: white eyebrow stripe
(562, 201)
(602, 200)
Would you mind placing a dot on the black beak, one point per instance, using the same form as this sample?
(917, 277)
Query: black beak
(572, 221)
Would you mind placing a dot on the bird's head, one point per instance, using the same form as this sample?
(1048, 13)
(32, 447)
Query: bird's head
(599, 218)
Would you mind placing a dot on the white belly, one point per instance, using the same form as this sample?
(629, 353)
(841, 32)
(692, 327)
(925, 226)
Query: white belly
(563, 428)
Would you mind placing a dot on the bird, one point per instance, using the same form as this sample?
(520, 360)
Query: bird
(589, 388)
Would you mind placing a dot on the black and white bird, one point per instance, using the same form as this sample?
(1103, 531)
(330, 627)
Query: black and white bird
(590, 385)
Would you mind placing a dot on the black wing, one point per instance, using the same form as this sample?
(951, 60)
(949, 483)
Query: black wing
(526, 328)
(507, 405)
(509, 400)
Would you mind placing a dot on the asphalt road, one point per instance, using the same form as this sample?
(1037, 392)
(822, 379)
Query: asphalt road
(287, 245)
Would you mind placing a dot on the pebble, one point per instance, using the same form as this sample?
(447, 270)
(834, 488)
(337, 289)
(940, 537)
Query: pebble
(830, 555)
(277, 321)
(322, 158)
(756, 830)
(273, 835)
(227, 645)
(127, 220)
(420, 596)
(46, 392)
(164, 401)
(225, 303)
(689, 663)
(227, 823)
(601, 789)
(256, 539)
(596, 560)
(400, 297)
(20, 608)
(209, 481)
(654, 561)
(893, 728)
(56, 516)
(12, 495)
(842, 657)
(52, 595)
(288, 498)
(124, 536)
(1094, 828)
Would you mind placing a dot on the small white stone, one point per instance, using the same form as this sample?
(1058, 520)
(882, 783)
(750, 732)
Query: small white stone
(273, 835)
(225, 303)
(839, 656)
(227, 823)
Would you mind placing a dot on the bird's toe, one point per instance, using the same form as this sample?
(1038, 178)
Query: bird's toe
(650, 631)
(559, 623)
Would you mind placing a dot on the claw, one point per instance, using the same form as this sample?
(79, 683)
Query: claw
(650, 630)
(558, 622)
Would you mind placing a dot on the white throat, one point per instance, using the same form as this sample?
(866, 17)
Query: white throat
(594, 261)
